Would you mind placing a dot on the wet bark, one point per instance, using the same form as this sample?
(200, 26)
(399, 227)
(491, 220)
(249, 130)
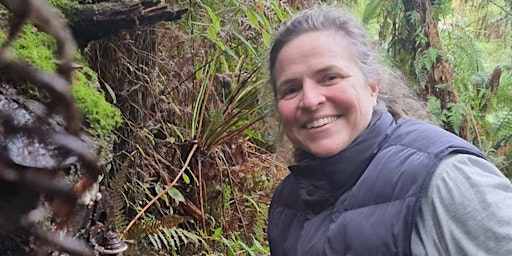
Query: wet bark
(90, 22)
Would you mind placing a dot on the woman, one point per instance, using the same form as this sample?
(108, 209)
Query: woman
(368, 180)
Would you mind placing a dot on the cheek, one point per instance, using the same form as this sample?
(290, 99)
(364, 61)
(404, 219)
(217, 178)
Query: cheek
(344, 99)
(286, 113)
(283, 109)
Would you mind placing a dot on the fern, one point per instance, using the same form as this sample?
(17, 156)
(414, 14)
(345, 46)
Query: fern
(116, 192)
(172, 239)
(164, 233)
(424, 64)
(465, 55)
(455, 115)
(503, 127)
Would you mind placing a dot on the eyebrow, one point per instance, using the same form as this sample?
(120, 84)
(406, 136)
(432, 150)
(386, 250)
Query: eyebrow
(325, 69)
(328, 68)
(286, 82)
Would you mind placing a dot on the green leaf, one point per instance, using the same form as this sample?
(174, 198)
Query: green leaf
(213, 17)
(212, 33)
(252, 18)
(176, 195)
(278, 11)
(216, 233)
(186, 178)
(371, 10)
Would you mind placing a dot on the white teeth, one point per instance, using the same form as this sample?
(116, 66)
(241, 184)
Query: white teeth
(321, 122)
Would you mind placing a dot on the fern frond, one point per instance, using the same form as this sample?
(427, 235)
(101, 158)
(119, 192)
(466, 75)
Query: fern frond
(117, 197)
(424, 64)
(456, 115)
(466, 56)
(155, 226)
(173, 238)
(503, 130)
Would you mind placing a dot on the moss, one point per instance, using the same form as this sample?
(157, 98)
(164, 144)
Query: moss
(37, 49)
(102, 117)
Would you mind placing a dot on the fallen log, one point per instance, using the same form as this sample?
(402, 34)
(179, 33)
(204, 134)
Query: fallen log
(100, 19)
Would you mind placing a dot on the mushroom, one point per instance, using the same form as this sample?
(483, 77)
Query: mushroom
(112, 244)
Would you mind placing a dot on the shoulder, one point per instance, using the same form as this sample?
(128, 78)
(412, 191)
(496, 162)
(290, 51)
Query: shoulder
(471, 181)
(426, 137)
(463, 171)
(468, 204)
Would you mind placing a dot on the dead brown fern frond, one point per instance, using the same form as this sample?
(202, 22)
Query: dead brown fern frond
(116, 191)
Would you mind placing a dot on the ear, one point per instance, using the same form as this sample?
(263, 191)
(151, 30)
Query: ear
(374, 89)
(374, 92)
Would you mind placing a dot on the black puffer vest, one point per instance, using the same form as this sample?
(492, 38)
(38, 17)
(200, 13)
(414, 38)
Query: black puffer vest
(362, 201)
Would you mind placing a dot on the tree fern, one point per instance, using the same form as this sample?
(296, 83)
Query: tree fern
(465, 54)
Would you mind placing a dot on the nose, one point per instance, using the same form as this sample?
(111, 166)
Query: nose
(312, 96)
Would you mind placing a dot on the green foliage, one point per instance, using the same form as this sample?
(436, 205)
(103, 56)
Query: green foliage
(474, 61)
(219, 107)
(164, 234)
(59, 3)
(442, 9)
(476, 39)
(234, 245)
(434, 105)
(65, 5)
(171, 239)
(371, 10)
(424, 64)
(465, 54)
(473, 69)
(226, 107)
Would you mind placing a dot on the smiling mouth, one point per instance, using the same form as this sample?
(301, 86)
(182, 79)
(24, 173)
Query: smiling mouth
(321, 122)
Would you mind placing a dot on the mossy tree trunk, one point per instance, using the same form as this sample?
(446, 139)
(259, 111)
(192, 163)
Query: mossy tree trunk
(440, 76)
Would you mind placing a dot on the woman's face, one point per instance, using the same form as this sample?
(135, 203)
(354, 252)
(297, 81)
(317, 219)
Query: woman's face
(324, 100)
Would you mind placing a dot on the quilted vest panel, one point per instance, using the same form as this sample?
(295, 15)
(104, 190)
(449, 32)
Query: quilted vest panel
(377, 215)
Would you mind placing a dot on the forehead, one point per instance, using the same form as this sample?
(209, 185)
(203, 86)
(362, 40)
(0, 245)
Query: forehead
(313, 50)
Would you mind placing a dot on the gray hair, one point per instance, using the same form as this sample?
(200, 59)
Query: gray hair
(394, 92)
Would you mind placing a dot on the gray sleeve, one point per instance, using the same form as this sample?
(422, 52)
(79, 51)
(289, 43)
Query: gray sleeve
(466, 211)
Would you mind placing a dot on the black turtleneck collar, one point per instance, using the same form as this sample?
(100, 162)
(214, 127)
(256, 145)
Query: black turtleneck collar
(323, 180)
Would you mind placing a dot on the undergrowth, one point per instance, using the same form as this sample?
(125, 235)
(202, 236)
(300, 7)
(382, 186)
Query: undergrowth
(193, 84)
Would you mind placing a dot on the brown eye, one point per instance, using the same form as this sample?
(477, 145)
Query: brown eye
(290, 92)
(329, 79)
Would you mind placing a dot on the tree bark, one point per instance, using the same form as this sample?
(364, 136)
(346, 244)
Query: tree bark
(90, 22)
(440, 76)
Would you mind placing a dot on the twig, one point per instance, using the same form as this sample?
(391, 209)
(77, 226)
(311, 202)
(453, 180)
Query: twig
(192, 151)
(475, 125)
(201, 200)
(230, 177)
